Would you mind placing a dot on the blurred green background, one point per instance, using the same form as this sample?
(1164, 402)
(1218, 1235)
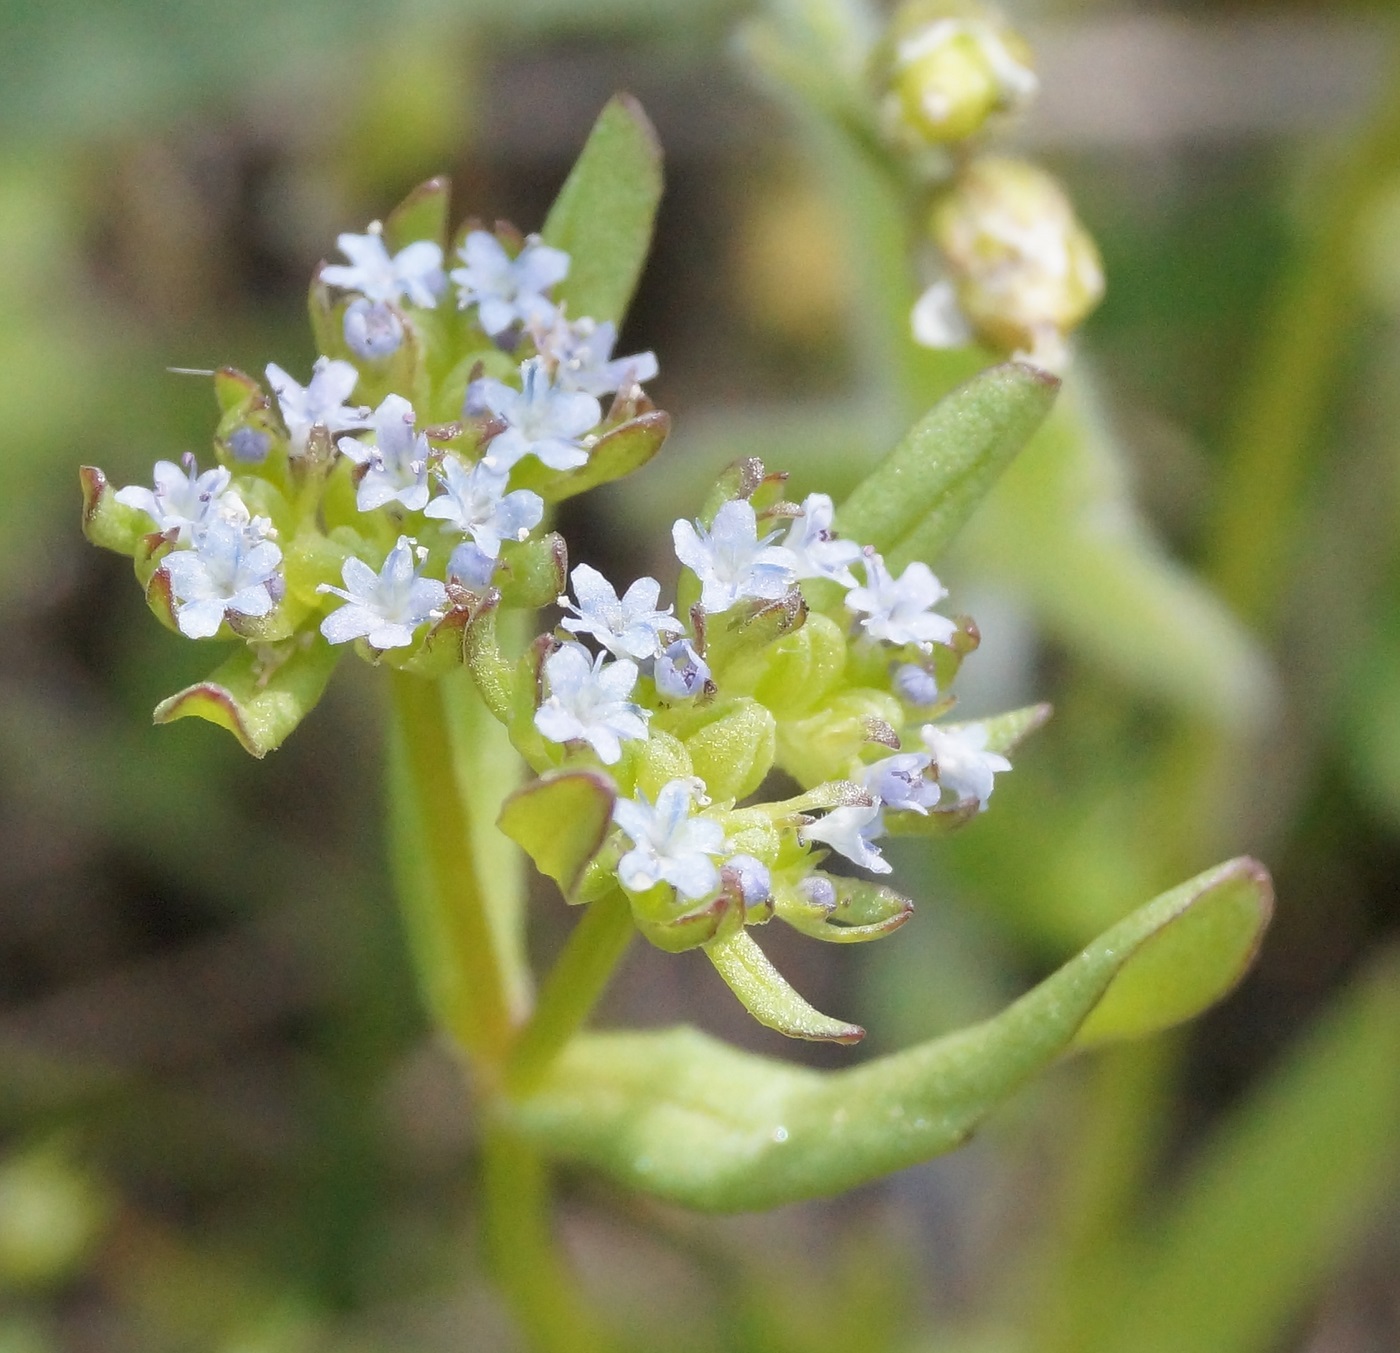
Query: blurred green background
(224, 1123)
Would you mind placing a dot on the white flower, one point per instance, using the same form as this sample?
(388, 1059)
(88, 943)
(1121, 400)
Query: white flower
(937, 320)
(731, 561)
(848, 831)
(184, 500)
(898, 782)
(477, 504)
(541, 418)
(670, 844)
(322, 403)
(384, 607)
(373, 329)
(415, 271)
(630, 626)
(680, 672)
(588, 702)
(581, 353)
(964, 764)
(897, 609)
(228, 569)
(397, 459)
(817, 552)
(508, 290)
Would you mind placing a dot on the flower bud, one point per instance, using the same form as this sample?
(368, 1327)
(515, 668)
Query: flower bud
(372, 329)
(1024, 269)
(951, 67)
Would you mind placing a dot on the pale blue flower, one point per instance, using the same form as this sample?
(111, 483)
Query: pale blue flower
(849, 831)
(815, 550)
(184, 501)
(898, 782)
(749, 878)
(730, 559)
(385, 607)
(897, 610)
(229, 569)
(916, 685)
(541, 419)
(670, 844)
(249, 445)
(471, 567)
(396, 461)
(820, 891)
(964, 765)
(588, 702)
(414, 272)
(629, 626)
(680, 671)
(373, 329)
(506, 290)
(319, 404)
(477, 504)
(581, 354)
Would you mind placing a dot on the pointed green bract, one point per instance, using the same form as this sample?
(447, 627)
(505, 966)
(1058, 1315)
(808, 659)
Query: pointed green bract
(106, 522)
(560, 821)
(422, 215)
(685, 1117)
(603, 215)
(767, 996)
(260, 694)
(913, 503)
(620, 452)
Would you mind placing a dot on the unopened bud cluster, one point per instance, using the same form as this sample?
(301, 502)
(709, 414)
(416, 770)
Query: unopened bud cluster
(1016, 270)
(397, 502)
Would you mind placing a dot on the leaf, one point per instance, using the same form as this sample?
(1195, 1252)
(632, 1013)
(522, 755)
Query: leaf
(912, 504)
(603, 215)
(767, 996)
(560, 822)
(1275, 1199)
(863, 911)
(688, 1118)
(260, 694)
(106, 522)
(617, 454)
(422, 215)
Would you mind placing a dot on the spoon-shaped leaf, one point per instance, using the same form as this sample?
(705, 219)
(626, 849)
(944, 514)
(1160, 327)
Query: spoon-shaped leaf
(603, 215)
(258, 698)
(683, 1116)
(560, 821)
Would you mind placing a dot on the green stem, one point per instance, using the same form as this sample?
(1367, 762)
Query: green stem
(572, 989)
(437, 881)
(550, 1309)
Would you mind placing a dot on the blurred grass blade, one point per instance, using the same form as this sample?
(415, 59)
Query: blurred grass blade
(1276, 1199)
(603, 215)
(913, 503)
(259, 699)
(681, 1115)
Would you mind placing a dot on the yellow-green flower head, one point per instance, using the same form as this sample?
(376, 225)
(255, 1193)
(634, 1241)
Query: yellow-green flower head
(950, 67)
(1023, 271)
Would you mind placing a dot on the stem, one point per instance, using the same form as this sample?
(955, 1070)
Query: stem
(520, 1252)
(573, 987)
(430, 830)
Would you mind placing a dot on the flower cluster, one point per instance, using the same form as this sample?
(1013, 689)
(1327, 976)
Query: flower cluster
(396, 505)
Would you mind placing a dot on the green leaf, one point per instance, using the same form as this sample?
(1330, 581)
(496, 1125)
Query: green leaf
(260, 694)
(685, 1117)
(617, 454)
(422, 215)
(1275, 1199)
(106, 522)
(914, 501)
(863, 911)
(560, 822)
(603, 215)
(1006, 732)
(767, 996)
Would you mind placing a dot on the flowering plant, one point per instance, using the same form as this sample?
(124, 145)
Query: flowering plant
(694, 769)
